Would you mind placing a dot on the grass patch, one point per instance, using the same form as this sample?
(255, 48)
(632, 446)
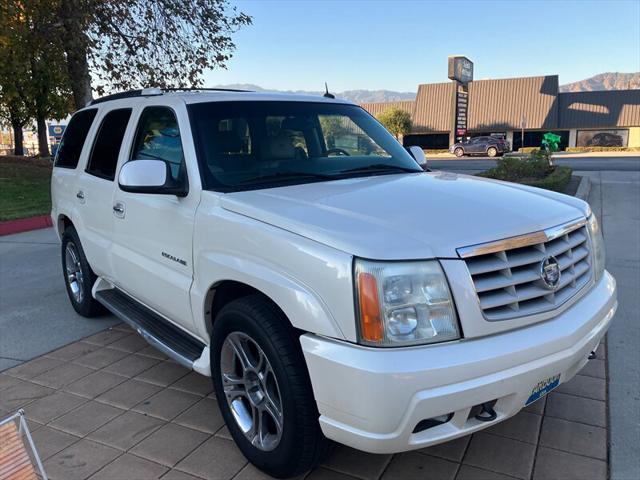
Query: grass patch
(532, 171)
(25, 187)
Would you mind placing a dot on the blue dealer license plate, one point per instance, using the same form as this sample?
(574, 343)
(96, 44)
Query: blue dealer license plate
(542, 388)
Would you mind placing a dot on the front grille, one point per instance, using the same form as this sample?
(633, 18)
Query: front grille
(507, 274)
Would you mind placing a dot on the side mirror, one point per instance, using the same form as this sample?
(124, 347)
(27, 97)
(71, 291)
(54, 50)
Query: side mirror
(150, 176)
(418, 154)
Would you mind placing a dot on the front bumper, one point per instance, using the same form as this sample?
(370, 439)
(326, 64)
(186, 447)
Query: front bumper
(372, 399)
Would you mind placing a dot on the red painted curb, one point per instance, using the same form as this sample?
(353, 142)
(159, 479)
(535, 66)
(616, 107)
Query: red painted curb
(25, 224)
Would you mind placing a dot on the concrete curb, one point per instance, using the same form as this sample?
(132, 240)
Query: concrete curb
(584, 188)
(25, 224)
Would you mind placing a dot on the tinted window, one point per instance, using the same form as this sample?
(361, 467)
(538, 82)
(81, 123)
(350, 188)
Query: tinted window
(158, 138)
(104, 156)
(249, 145)
(68, 152)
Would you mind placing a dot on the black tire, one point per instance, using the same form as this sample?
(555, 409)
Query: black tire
(85, 305)
(302, 445)
(458, 152)
(492, 151)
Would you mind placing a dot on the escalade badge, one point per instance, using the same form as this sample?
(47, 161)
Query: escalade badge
(550, 272)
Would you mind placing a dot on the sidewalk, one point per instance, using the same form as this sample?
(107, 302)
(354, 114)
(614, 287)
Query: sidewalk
(112, 407)
(615, 197)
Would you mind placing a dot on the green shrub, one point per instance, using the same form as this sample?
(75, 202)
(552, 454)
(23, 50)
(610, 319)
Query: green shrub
(557, 180)
(533, 170)
(397, 121)
(602, 149)
(514, 169)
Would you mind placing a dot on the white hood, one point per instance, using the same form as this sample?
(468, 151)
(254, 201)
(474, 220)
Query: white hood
(406, 216)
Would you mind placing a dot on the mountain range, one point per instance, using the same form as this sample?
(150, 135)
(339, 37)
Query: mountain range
(602, 81)
(355, 96)
(605, 81)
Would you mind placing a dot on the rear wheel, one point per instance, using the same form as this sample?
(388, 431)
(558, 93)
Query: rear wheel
(492, 151)
(458, 152)
(78, 276)
(263, 388)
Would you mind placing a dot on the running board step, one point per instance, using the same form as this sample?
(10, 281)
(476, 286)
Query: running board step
(167, 338)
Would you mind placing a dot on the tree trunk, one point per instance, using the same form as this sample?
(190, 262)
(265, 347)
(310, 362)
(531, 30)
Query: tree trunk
(43, 136)
(76, 47)
(18, 139)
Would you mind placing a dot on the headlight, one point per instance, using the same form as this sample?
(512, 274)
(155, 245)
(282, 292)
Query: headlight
(404, 303)
(597, 245)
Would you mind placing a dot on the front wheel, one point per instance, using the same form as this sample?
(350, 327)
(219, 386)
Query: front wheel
(492, 151)
(263, 388)
(79, 278)
(458, 152)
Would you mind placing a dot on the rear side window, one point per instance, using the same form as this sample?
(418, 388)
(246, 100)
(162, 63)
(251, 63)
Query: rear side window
(70, 147)
(104, 155)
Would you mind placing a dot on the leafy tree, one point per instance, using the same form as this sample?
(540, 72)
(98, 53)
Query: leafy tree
(141, 43)
(49, 90)
(14, 112)
(332, 127)
(397, 121)
(33, 78)
(13, 77)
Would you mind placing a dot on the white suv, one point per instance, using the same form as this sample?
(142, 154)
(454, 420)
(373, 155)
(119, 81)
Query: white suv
(290, 248)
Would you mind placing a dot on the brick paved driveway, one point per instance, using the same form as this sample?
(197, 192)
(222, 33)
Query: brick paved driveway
(112, 407)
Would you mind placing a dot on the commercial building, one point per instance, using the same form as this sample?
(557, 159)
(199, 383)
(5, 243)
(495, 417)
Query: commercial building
(522, 109)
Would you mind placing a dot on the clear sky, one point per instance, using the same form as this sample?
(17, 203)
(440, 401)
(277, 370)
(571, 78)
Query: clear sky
(396, 45)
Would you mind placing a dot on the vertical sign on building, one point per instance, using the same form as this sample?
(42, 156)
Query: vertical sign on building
(461, 72)
(462, 104)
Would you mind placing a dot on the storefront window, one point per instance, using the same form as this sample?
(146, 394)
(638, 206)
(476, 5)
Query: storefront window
(602, 138)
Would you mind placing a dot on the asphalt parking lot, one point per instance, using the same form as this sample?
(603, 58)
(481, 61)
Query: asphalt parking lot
(103, 404)
(35, 314)
(583, 164)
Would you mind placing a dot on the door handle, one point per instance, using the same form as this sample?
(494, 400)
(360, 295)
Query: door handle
(118, 210)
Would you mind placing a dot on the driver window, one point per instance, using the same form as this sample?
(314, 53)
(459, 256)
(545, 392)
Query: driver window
(158, 138)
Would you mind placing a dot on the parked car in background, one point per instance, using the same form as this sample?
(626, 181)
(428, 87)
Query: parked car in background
(605, 139)
(489, 146)
(330, 286)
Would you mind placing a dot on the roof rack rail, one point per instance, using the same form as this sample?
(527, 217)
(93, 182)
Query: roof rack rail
(158, 91)
(116, 96)
(204, 89)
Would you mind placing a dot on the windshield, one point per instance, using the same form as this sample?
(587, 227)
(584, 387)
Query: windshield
(248, 145)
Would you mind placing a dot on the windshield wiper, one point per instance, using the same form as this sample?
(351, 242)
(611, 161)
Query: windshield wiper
(380, 167)
(287, 175)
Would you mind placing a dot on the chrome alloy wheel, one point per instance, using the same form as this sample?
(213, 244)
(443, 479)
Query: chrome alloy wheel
(74, 272)
(251, 389)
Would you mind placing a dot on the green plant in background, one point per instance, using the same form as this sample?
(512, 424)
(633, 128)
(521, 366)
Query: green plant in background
(533, 170)
(551, 142)
(332, 127)
(397, 121)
